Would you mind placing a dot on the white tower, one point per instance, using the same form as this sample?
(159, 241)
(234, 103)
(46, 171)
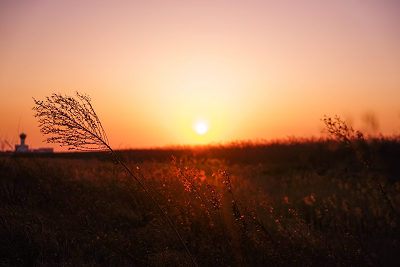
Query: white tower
(22, 147)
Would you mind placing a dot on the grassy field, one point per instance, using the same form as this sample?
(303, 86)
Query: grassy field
(308, 203)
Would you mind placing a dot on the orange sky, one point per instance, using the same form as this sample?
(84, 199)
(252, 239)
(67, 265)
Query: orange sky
(251, 69)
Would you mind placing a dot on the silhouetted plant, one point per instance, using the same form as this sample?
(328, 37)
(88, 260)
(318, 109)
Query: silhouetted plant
(72, 122)
(354, 139)
(339, 129)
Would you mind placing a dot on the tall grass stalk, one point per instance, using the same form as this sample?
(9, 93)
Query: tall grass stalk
(72, 122)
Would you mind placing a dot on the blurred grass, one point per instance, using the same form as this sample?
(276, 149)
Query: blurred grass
(281, 204)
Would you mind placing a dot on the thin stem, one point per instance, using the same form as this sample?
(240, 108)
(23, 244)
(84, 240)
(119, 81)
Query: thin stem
(166, 217)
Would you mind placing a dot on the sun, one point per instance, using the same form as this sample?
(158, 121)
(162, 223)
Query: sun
(201, 127)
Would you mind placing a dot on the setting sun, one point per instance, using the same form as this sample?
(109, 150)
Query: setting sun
(201, 127)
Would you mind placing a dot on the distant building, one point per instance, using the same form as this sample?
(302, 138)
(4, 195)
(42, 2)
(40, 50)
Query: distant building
(22, 147)
(43, 150)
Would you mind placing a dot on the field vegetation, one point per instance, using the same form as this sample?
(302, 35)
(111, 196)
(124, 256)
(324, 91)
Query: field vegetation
(299, 203)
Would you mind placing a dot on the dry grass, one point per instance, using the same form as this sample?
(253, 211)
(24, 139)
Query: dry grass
(297, 211)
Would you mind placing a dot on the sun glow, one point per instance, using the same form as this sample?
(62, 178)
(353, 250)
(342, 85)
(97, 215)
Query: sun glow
(201, 127)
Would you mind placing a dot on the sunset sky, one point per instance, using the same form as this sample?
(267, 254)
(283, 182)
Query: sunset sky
(247, 69)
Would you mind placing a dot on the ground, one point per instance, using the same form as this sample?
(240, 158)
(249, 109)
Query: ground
(304, 203)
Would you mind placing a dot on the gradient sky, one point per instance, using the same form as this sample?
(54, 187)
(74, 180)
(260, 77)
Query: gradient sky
(252, 69)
